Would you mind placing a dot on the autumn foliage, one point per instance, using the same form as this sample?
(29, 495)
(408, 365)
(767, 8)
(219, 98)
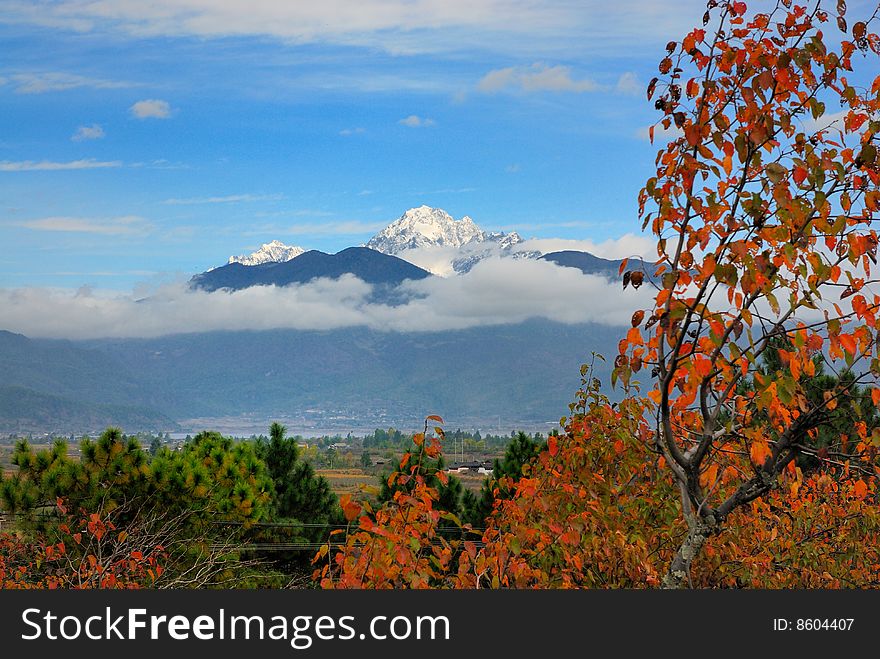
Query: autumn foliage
(598, 509)
(87, 552)
(762, 205)
(400, 544)
(743, 453)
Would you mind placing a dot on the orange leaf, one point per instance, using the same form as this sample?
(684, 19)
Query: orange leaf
(553, 445)
(703, 367)
(351, 509)
(759, 452)
(860, 489)
(634, 336)
(848, 342)
(708, 477)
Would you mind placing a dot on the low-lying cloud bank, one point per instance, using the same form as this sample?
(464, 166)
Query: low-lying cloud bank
(496, 291)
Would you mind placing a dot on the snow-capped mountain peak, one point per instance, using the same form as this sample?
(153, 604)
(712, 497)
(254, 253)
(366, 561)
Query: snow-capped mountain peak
(432, 239)
(505, 240)
(426, 227)
(273, 252)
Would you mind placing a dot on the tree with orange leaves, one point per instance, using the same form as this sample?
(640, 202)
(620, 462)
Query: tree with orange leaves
(595, 509)
(762, 206)
(400, 544)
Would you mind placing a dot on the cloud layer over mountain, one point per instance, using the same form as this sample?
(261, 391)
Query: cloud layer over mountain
(495, 291)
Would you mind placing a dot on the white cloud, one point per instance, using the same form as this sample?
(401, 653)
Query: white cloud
(415, 121)
(160, 163)
(504, 290)
(439, 259)
(151, 109)
(435, 258)
(496, 291)
(400, 26)
(347, 132)
(48, 166)
(42, 83)
(127, 225)
(831, 121)
(535, 78)
(228, 199)
(628, 83)
(93, 132)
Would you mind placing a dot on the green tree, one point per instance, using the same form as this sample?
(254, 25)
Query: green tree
(193, 502)
(299, 493)
(211, 473)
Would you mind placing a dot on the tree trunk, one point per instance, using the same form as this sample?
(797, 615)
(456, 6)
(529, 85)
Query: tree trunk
(679, 573)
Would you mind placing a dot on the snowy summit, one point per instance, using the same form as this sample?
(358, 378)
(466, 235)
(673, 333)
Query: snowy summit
(426, 227)
(432, 239)
(274, 252)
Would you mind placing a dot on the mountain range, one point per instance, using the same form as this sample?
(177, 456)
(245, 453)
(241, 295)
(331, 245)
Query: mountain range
(525, 372)
(366, 264)
(382, 260)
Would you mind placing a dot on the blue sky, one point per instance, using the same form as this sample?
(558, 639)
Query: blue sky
(143, 141)
(259, 121)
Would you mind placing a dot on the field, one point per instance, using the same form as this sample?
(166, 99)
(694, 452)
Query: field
(353, 481)
(348, 481)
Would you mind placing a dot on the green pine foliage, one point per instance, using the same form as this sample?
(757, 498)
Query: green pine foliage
(298, 493)
(211, 474)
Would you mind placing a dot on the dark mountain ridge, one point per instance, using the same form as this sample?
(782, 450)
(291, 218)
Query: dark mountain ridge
(594, 265)
(366, 264)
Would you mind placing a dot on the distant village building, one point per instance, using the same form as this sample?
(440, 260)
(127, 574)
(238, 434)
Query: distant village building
(479, 468)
